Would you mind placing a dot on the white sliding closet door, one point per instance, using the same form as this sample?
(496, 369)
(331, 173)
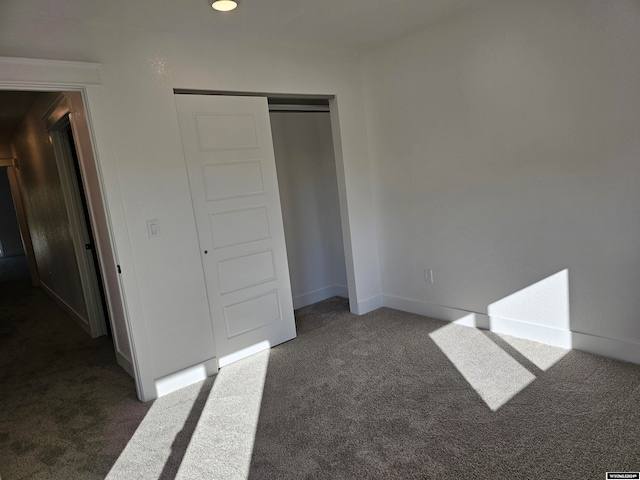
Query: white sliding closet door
(231, 166)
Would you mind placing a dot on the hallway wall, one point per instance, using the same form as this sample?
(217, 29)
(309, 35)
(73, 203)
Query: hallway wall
(46, 211)
(5, 150)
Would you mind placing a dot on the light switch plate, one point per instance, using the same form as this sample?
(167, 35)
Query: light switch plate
(153, 228)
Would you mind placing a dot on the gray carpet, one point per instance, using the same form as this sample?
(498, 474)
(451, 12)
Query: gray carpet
(374, 397)
(384, 395)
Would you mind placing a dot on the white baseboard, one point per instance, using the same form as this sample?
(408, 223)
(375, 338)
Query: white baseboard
(188, 376)
(368, 305)
(123, 361)
(83, 322)
(126, 364)
(439, 312)
(316, 296)
(340, 291)
(225, 360)
(538, 333)
(606, 347)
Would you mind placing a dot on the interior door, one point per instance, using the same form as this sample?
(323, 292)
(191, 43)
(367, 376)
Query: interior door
(232, 175)
(58, 122)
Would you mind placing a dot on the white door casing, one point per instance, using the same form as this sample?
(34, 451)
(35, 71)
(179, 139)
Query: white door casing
(232, 176)
(105, 202)
(58, 120)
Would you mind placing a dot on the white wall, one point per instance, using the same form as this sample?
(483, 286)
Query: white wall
(309, 196)
(163, 277)
(505, 147)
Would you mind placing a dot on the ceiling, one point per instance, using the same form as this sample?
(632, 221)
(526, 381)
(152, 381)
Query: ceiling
(346, 26)
(354, 26)
(13, 107)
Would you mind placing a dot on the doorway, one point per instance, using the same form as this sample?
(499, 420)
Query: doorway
(63, 212)
(58, 120)
(307, 180)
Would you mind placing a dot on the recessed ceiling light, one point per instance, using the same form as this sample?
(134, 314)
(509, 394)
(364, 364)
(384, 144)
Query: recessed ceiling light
(224, 5)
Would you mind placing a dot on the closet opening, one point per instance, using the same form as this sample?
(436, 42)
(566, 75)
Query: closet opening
(307, 180)
(307, 153)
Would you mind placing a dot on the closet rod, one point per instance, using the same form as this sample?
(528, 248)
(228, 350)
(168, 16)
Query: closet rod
(298, 108)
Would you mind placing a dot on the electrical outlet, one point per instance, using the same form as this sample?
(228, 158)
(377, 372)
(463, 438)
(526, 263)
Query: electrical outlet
(428, 275)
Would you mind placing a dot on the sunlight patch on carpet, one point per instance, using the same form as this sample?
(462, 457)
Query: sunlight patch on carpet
(493, 373)
(153, 443)
(222, 444)
(542, 356)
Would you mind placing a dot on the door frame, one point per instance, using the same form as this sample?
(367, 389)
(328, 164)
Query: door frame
(58, 119)
(53, 75)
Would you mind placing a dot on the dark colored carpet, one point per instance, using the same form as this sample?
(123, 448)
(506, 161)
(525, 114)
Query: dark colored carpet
(67, 409)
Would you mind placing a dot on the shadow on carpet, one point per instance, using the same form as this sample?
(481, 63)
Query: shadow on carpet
(373, 396)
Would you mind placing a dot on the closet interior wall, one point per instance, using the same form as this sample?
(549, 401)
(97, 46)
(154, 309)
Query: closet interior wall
(306, 167)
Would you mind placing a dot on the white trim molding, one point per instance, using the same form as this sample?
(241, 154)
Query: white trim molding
(538, 333)
(196, 373)
(25, 72)
(126, 364)
(316, 296)
(225, 360)
(607, 347)
(368, 305)
(69, 310)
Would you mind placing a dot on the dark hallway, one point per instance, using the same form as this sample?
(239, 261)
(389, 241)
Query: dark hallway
(67, 409)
